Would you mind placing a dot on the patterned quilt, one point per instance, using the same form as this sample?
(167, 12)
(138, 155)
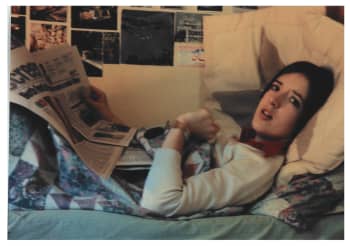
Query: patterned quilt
(45, 173)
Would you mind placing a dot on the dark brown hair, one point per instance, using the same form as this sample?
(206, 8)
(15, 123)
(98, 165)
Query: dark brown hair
(321, 83)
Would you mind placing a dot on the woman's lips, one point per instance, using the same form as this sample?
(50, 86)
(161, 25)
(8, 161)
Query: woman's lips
(266, 115)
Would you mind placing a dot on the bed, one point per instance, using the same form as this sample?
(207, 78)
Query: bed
(47, 200)
(29, 218)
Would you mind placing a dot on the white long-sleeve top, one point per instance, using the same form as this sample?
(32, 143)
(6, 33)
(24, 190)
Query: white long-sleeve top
(243, 175)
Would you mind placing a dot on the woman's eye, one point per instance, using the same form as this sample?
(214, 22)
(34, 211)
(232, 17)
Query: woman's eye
(275, 87)
(295, 102)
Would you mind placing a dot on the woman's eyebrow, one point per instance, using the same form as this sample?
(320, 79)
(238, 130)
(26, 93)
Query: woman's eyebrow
(278, 81)
(299, 95)
(294, 91)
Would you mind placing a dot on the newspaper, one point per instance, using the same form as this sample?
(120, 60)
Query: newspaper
(51, 83)
(134, 159)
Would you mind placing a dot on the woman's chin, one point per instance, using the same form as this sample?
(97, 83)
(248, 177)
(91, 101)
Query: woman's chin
(265, 132)
(260, 126)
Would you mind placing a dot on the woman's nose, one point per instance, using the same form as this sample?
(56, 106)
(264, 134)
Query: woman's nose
(274, 101)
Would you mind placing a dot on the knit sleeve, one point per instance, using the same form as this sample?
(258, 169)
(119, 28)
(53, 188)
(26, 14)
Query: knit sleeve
(240, 181)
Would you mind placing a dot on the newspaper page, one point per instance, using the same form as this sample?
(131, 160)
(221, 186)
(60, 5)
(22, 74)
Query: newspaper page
(28, 88)
(51, 83)
(67, 80)
(134, 158)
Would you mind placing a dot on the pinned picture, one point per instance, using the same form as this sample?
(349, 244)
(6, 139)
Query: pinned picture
(189, 54)
(188, 27)
(147, 37)
(44, 36)
(96, 17)
(139, 6)
(210, 8)
(173, 7)
(18, 10)
(18, 28)
(49, 13)
(89, 45)
(110, 42)
(240, 9)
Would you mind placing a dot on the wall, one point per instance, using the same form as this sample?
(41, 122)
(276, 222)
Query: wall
(147, 95)
(141, 94)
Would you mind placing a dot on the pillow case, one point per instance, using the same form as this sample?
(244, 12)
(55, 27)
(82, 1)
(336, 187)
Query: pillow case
(243, 51)
(304, 200)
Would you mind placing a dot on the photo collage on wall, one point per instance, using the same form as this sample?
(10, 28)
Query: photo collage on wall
(146, 35)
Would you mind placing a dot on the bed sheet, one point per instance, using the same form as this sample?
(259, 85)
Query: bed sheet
(80, 224)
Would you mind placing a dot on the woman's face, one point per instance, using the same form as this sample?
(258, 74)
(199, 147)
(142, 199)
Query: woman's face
(281, 106)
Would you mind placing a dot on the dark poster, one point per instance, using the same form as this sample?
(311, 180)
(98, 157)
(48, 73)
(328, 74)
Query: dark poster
(248, 7)
(173, 7)
(210, 8)
(18, 33)
(89, 45)
(48, 13)
(147, 37)
(97, 17)
(110, 47)
(19, 10)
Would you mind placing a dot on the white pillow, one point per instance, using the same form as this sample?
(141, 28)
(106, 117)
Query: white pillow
(243, 50)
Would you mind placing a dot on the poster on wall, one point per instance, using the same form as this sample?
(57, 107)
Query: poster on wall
(210, 8)
(189, 27)
(18, 28)
(96, 17)
(18, 10)
(45, 36)
(240, 9)
(173, 7)
(110, 42)
(89, 45)
(189, 54)
(140, 6)
(48, 13)
(147, 37)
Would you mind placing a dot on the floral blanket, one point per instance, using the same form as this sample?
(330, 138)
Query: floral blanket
(45, 173)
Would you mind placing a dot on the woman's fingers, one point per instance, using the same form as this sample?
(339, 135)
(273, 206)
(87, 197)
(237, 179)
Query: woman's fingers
(216, 126)
(200, 123)
(97, 90)
(95, 94)
(97, 99)
(98, 95)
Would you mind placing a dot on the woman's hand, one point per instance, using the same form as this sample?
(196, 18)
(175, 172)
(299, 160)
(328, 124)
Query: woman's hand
(200, 123)
(98, 100)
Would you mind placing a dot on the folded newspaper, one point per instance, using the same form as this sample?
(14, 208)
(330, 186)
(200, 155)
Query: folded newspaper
(51, 83)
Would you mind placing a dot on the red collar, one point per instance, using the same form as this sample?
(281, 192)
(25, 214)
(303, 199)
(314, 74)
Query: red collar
(270, 148)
